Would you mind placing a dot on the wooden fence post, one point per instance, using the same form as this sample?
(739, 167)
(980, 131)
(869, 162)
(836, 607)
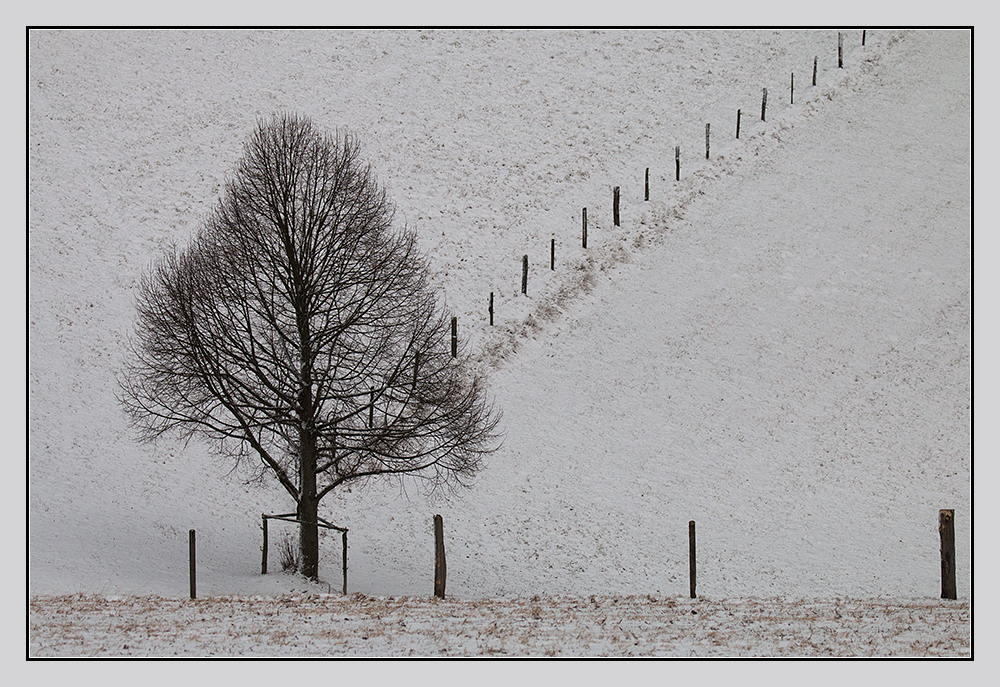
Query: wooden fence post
(763, 106)
(691, 556)
(585, 227)
(440, 568)
(708, 127)
(524, 275)
(647, 183)
(815, 65)
(454, 337)
(946, 527)
(863, 34)
(191, 563)
(552, 258)
(344, 538)
(491, 308)
(263, 554)
(840, 50)
(677, 161)
(791, 93)
(738, 113)
(617, 220)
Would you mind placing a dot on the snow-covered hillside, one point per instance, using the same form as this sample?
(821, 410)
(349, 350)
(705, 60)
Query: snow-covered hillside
(778, 346)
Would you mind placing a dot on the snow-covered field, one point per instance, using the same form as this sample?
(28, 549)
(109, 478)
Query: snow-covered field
(599, 626)
(778, 346)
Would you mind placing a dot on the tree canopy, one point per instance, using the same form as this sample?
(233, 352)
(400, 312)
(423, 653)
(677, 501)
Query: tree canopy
(299, 330)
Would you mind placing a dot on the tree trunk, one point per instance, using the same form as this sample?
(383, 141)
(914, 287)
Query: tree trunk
(309, 537)
(308, 502)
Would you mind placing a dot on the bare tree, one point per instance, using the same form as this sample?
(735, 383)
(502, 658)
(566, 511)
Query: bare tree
(299, 330)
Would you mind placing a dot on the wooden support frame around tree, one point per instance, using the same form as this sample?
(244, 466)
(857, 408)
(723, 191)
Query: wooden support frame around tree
(293, 517)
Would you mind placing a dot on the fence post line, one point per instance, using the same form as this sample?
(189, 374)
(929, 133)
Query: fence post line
(440, 568)
(840, 50)
(791, 93)
(863, 34)
(491, 308)
(677, 162)
(524, 275)
(691, 556)
(191, 564)
(552, 258)
(263, 555)
(647, 183)
(585, 227)
(946, 527)
(738, 113)
(708, 128)
(763, 106)
(617, 193)
(815, 65)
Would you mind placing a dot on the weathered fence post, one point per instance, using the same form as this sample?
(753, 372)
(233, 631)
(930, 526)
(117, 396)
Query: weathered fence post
(617, 220)
(552, 258)
(708, 127)
(191, 563)
(585, 227)
(946, 527)
(863, 34)
(791, 93)
(263, 554)
(738, 114)
(491, 308)
(440, 568)
(691, 556)
(763, 106)
(454, 337)
(647, 183)
(344, 539)
(815, 66)
(677, 161)
(840, 50)
(524, 275)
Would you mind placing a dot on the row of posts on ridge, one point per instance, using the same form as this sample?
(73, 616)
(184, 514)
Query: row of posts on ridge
(677, 176)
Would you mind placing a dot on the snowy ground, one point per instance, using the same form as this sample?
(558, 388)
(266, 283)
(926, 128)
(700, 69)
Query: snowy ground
(321, 625)
(778, 346)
